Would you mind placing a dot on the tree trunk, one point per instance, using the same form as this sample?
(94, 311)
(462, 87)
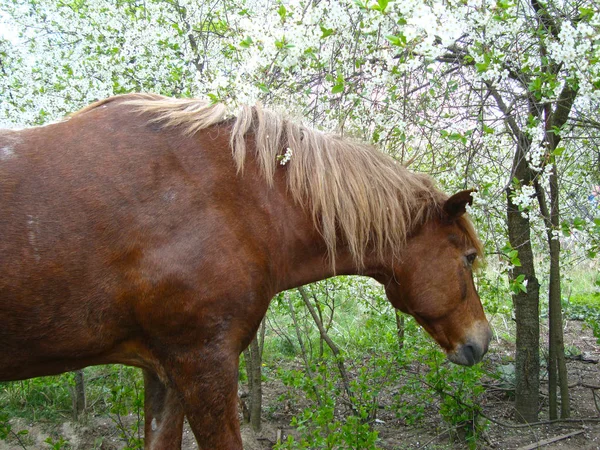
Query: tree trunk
(556, 320)
(555, 120)
(79, 401)
(526, 304)
(557, 369)
(557, 329)
(400, 329)
(253, 359)
(256, 391)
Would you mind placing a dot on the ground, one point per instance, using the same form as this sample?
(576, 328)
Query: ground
(503, 432)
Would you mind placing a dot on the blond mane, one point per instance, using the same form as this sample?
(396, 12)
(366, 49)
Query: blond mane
(353, 191)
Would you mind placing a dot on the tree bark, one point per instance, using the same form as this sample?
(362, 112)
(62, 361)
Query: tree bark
(256, 391)
(526, 304)
(557, 369)
(79, 400)
(400, 328)
(556, 325)
(253, 359)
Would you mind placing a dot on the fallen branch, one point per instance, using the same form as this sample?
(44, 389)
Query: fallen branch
(545, 422)
(585, 385)
(551, 440)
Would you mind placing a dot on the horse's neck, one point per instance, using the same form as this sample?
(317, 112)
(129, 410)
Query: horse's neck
(303, 256)
(295, 248)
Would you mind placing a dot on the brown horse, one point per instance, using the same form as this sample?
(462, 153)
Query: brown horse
(129, 234)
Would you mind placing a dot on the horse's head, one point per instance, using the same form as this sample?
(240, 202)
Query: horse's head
(434, 283)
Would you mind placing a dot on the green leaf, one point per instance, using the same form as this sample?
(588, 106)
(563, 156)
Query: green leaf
(579, 223)
(337, 88)
(282, 12)
(483, 66)
(565, 228)
(585, 13)
(518, 285)
(398, 40)
(456, 137)
(326, 32)
(246, 43)
(381, 5)
(213, 98)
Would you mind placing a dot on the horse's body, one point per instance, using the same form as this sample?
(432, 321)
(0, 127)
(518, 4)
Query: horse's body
(124, 240)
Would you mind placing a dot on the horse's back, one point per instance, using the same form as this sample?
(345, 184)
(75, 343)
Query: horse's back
(88, 208)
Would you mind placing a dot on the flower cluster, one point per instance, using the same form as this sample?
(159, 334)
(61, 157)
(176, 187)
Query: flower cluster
(285, 158)
(524, 198)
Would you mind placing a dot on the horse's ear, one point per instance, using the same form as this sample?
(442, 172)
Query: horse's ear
(456, 205)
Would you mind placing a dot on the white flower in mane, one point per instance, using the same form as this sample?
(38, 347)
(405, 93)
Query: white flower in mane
(285, 158)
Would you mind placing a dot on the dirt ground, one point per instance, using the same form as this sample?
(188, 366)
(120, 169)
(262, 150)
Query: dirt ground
(503, 432)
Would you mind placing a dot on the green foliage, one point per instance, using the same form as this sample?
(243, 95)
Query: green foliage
(453, 391)
(38, 398)
(364, 67)
(365, 327)
(6, 430)
(585, 303)
(114, 391)
(127, 397)
(318, 425)
(5, 427)
(518, 285)
(57, 445)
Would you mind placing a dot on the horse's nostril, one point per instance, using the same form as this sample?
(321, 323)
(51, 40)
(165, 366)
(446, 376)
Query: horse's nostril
(472, 351)
(467, 354)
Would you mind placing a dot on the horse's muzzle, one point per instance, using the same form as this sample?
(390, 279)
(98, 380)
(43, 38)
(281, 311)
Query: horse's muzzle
(472, 351)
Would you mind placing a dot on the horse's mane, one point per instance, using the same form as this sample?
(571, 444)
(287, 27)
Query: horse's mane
(352, 190)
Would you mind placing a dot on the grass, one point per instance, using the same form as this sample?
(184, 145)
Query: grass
(582, 285)
(583, 297)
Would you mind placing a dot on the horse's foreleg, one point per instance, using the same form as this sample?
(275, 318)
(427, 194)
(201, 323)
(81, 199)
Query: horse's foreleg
(207, 381)
(164, 415)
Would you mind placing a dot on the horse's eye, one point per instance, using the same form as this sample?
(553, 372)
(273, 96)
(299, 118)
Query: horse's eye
(471, 258)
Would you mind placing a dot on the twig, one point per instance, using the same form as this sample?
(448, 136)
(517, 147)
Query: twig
(303, 350)
(544, 422)
(551, 440)
(436, 437)
(18, 438)
(334, 348)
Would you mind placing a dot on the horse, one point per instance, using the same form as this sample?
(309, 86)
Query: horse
(153, 232)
